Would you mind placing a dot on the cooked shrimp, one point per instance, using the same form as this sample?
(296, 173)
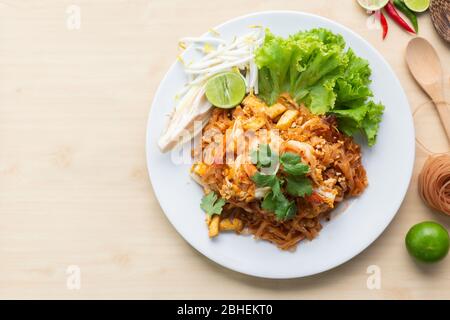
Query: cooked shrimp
(306, 152)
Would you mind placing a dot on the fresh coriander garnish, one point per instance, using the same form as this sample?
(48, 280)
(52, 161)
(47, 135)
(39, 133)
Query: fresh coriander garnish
(211, 205)
(280, 205)
(275, 201)
(297, 184)
(292, 164)
(262, 156)
(264, 180)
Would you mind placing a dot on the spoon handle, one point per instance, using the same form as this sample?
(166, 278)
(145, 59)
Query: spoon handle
(443, 109)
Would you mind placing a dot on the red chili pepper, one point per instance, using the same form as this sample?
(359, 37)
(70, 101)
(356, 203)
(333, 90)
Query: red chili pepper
(392, 12)
(384, 24)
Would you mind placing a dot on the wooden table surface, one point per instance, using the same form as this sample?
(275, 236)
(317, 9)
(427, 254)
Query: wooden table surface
(74, 189)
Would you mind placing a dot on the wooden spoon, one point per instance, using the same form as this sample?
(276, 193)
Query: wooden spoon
(425, 66)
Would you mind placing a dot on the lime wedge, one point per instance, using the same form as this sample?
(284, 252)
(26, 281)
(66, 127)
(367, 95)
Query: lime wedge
(372, 5)
(417, 5)
(225, 90)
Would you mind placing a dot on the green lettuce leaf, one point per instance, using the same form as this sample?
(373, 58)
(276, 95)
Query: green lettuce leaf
(372, 121)
(365, 118)
(315, 69)
(352, 87)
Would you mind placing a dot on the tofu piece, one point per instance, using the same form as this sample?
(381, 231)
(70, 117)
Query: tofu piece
(254, 123)
(199, 168)
(213, 229)
(254, 103)
(287, 119)
(231, 225)
(249, 169)
(275, 110)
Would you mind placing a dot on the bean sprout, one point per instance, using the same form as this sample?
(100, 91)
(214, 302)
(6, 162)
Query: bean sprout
(219, 56)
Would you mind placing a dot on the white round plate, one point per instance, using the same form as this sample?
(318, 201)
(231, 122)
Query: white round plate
(389, 166)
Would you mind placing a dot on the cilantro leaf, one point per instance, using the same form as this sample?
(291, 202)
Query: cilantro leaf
(278, 204)
(276, 188)
(290, 158)
(298, 186)
(263, 156)
(264, 180)
(269, 202)
(292, 164)
(211, 205)
(272, 181)
(286, 210)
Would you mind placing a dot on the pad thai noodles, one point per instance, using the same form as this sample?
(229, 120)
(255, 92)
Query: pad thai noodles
(333, 160)
(272, 121)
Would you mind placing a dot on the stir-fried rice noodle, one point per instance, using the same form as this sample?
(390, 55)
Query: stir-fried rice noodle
(336, 171)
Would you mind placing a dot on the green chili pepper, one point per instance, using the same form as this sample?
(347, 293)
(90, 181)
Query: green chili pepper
(411, 15)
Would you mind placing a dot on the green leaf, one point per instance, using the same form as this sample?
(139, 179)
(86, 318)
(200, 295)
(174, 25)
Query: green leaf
(274, 60)
(269, 202)
(353, 84)
(292, 164)
(348, 126)
(276, 188)
(298, 187)
(363, 118)
(211, 205)
(275, 201)
(263, 156)
(372, 120)
(279, 205)
(290, 158)
(286, 210)
(321, 97)
(315, 69)
(264, 180)
(356, 114)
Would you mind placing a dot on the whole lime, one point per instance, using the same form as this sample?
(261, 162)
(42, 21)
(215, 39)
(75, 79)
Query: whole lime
(427, 241)
(372, 4)
(417, 5)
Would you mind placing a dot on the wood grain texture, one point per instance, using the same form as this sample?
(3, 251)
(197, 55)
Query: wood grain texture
(440, 15)
(429, 75)
(73, 183)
